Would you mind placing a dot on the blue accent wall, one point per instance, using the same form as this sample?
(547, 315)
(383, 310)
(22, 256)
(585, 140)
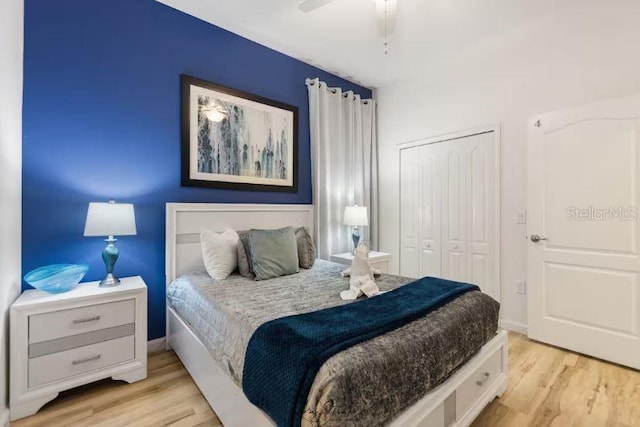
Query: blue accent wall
(101, 120)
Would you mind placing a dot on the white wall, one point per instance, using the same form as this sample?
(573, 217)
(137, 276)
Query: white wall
(11, 44)
(581, 53)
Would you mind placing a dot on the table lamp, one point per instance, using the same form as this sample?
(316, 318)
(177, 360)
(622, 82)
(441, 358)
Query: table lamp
(355, 216)
(110, 219)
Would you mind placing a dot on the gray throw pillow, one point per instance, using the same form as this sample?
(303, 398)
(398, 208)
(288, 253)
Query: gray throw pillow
(245, 268)
(274, 253)
(306, 248)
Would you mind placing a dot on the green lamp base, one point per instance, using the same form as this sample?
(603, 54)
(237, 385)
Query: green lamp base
(110, 256)
(356, 238)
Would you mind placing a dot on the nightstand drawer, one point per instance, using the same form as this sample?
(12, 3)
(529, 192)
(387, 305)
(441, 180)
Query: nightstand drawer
(64, 323)
(66, 364)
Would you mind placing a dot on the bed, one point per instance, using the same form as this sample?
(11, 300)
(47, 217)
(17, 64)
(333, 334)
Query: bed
(443, 378)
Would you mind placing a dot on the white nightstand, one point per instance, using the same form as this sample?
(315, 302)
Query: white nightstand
(61, 341)
(379, 260)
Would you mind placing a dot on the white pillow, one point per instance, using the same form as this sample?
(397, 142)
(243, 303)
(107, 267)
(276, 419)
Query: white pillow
(219, 252)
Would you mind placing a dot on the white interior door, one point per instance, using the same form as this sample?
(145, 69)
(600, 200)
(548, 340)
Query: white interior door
(583, 195)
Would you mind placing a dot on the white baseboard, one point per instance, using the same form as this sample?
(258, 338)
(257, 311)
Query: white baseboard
(4, 417)
(154, 346)
(513, 326)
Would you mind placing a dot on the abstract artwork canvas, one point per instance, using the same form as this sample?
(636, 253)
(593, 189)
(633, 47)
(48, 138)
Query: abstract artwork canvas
(236, 140)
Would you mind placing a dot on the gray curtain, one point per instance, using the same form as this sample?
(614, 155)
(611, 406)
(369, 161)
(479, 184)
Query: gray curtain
(344, 157)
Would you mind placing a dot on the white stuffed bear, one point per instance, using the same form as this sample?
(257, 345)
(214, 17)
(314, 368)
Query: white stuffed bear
(362, 276)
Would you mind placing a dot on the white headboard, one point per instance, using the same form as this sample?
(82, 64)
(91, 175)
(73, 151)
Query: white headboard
(186, 220)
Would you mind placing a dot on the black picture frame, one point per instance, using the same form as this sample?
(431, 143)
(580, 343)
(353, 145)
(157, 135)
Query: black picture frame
(195, 147)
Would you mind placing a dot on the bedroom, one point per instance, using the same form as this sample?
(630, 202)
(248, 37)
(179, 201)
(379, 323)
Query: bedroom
(91, 111)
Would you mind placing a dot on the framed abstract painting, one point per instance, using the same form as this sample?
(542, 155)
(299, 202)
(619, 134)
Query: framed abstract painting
(235, 140)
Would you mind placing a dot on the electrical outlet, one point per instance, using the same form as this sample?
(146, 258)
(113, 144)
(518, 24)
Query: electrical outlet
(521, 287)
(521, 218)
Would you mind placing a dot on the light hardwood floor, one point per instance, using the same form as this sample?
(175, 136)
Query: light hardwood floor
(547, 387)
(167, 397)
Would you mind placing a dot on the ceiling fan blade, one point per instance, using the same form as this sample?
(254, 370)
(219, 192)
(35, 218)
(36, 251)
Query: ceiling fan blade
(310, 5)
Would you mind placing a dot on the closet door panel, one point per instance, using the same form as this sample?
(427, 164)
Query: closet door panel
(449, 214)
(481, 212)
(455, 266)
(453, 212)
(479, 271)
(430, 212)
(410, 212)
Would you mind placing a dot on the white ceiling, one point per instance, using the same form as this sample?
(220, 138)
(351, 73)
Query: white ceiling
(430, 34)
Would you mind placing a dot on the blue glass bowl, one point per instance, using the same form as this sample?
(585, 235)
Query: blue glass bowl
(57, 278)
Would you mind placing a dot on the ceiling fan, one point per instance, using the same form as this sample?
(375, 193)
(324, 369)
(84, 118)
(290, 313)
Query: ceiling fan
(385, 9)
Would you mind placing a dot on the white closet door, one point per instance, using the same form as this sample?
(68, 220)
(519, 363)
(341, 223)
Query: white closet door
(431, 210)
(454, 208)
(449, 216)
(482, 216)
(410, 212)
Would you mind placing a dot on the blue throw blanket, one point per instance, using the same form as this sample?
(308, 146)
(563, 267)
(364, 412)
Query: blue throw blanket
(284, 355)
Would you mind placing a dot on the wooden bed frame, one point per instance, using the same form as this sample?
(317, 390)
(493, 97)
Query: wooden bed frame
(456, 402)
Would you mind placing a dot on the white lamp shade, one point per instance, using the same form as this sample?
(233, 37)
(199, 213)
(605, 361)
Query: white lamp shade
(110, 219)
(355, 216)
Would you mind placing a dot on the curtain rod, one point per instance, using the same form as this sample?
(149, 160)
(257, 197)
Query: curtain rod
(334, 90)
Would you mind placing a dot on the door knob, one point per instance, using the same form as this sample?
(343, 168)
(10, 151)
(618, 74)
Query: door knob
(535, 238)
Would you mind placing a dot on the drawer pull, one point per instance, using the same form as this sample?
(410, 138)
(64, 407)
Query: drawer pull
(87, 320)
(86, 360)
(484, 379)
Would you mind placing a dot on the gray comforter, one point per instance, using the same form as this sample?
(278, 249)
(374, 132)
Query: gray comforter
(369, 384)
